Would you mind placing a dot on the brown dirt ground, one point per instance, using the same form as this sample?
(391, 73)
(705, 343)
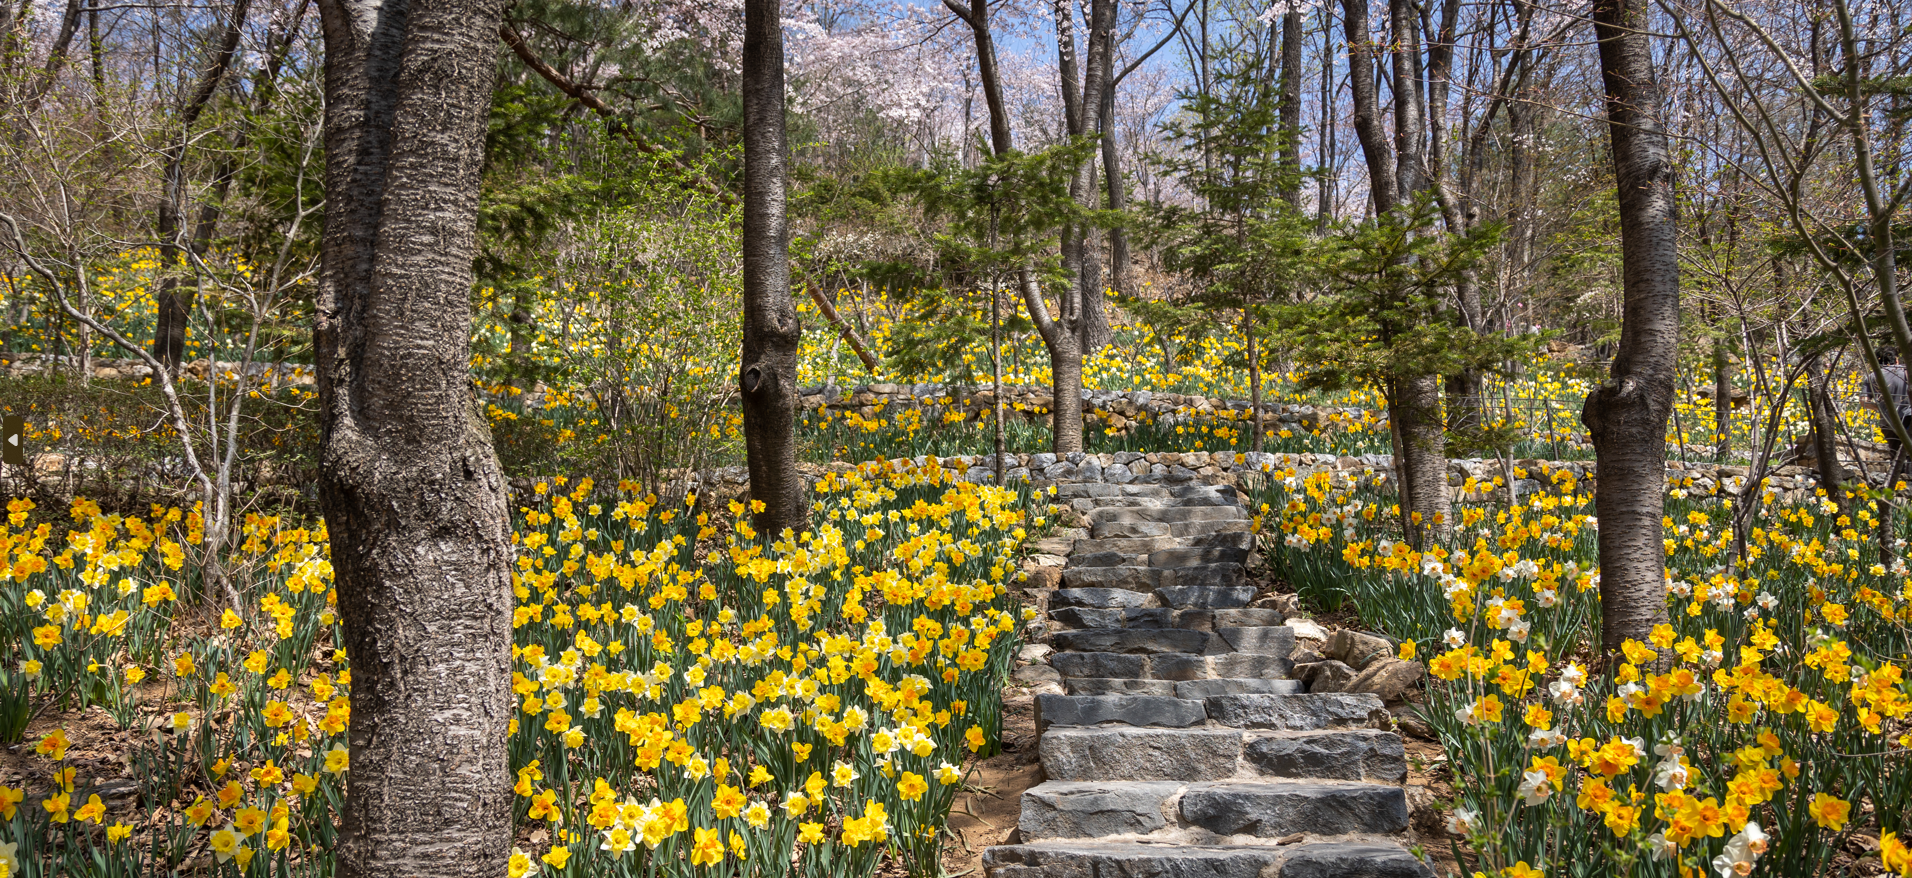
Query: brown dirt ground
(987, 811)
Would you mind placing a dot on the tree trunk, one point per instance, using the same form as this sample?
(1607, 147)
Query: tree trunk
(768, 377)
(1119, 272)
(1291, 105)
(1824, 441)
(169, 329)
(1414, 403)
(1627, 414)
(1722, 401)
(413, 497)
(1382, 188)
(1254, 380)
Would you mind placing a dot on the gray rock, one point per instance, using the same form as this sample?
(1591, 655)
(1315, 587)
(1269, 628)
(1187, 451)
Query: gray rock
(1122, 640)
(1334, 860)
(1308, 629)
(1061, 809)
(1090, 470)
(1298, 712)
(1034, 652)
(1036, 675)
(1275, 809)
(1389, 678)
(1327, 675)
(1360, 754)
(1139, 754)
(1057, 471)
(1041, 461)
(1137, 710)
(1357, 649)
(1098, 664)
(1210, 575)
(1117, 474)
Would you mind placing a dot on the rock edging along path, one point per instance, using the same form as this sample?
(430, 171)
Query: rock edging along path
(1180, 745)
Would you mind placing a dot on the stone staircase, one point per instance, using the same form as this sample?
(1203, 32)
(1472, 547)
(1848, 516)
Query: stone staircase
(1181, 748)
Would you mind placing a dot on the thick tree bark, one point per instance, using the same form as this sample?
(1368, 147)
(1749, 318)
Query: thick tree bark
(768, 375)
(1627, 414)
(1825, 441)
(413, 497)
(1414, 403)
(1119, 270)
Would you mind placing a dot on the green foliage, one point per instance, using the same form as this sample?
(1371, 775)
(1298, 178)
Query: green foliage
(1001, 219)
(1385, 315)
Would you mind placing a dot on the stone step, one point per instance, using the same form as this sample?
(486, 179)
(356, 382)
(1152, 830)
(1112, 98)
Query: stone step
(1167, 514)
(1111, 530)
(1202, 529)
(1142, 859)
(1237, 686)
(1275, 809)
(1096, 597)
(1103, 753)
(1132, 641)
(1121, 686)
(1259, 808)
(1181, 689)
(1152, 711)
(1206, 596)
(1124, 546)
(1124, 576)
(1191, 556)
(1165, 665)
(1260, 640)
(1135, 617)
(1298, 712)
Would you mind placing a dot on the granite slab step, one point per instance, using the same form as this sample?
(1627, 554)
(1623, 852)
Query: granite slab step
(1150, 711)
(1124, 576)
(1260, 640)
(1114, 752)
(1088, 858)
(1192, 556)
(1167, 514)
(1108, 530)
(1097, 597)
(1273, 809)
(1168, 665)
(1205, 596)
(1195, 529)
(1132, 641)
(1129, 859)
(1237, 686)
(1119, 686)
(1264, 808)
(1326, 710)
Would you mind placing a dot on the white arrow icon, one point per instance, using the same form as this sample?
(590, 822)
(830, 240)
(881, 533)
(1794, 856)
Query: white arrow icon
(13, 439)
